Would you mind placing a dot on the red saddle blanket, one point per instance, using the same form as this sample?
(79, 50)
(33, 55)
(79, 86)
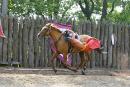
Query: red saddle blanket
(92, 44)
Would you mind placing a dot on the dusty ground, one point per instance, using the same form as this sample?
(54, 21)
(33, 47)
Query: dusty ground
(12, 77)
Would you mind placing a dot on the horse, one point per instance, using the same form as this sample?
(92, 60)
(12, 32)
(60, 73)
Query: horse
(62, 46)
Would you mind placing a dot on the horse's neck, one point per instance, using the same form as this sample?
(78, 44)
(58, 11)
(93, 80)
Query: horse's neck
(55, 35)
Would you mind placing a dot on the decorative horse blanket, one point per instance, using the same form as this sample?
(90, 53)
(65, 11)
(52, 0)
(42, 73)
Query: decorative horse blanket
(91, 44)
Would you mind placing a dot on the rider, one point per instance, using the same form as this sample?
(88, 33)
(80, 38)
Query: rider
(90, 44)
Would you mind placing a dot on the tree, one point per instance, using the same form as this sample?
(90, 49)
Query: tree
(52, 9)
(122, 16)
(101, 7)
(104, 9)
(88, 8)
(4, 6)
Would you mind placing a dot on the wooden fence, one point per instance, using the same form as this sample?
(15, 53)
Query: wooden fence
(22, 45)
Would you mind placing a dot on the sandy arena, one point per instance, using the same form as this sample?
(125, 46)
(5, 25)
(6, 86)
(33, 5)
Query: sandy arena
(21, 77)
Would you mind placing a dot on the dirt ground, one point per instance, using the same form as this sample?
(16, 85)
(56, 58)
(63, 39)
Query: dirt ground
(21, 77)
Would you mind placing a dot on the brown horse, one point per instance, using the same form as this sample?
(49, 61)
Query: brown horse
(62, 46)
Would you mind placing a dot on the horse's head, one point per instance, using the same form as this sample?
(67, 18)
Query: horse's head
(47, 29)
(44, 31)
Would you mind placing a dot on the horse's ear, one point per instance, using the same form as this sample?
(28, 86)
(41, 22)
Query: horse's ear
(49, 24)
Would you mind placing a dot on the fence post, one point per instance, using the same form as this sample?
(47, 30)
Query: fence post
(93, 33)
(10, 39)
(15, 39)
(31, 46)
(25, 42)
(5, 41)
(114, 65)
(124, 47)
(97, 58)
(105, 44)
(20, 41)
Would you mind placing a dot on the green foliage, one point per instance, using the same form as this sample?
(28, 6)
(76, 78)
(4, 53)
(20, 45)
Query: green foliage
(45, 8)
(124, 16)
(61, 9)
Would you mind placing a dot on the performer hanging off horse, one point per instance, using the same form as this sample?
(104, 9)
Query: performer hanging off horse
(81, 45)
(88, 44)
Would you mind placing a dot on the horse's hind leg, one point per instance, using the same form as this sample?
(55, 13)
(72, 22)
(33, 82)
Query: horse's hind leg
(82, 63)
(81, 54)
(87, 58)
(65, 63)
(52, 61)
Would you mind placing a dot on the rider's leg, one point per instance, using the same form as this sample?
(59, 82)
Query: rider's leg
(76, 43)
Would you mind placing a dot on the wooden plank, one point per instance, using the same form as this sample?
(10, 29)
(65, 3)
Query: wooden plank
(80, 28)
(97, 36)
(1, 50)
(1, 42)
(42, 64)
(102, 29)
(31, 49)
(93, 34)
(36, 43)
(15, 39)
(110, 46)
(105, 43)
(119, 46)
(126, 43)
(45, 53)
(10, 39)
(20, 41)
(84, 28)
(124, 54)
(122, 45)
(114, 65)
(25, 42)
(5, 41)
(129, 47)
(87, 31)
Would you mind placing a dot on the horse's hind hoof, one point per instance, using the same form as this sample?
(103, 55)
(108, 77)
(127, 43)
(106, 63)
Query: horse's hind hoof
(75, 70)
(55, 71)
(82, 72)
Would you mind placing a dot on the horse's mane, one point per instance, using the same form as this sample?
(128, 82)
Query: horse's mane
(55, 28)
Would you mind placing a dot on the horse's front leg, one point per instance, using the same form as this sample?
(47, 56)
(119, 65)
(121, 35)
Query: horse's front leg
(52, 60)
(66, 65)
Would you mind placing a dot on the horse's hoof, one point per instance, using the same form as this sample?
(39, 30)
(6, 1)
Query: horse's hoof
(75, 70)
(82, 72)
(55, 71)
